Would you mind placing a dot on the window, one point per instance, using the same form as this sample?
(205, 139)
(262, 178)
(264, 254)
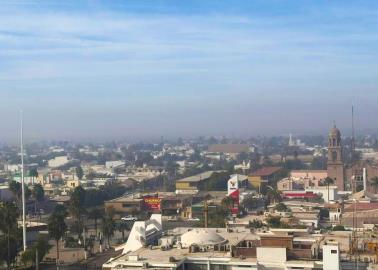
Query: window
(194, 266)
(219, 267)
(334, 156)
(333, 251)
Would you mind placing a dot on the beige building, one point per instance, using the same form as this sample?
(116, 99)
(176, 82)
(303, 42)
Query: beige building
(302, 179)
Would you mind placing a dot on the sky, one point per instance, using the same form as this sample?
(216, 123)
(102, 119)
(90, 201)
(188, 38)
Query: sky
(149, 68)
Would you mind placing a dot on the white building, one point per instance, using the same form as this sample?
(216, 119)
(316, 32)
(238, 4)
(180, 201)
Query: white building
(143, 233)
(328, 193)
(331, 256)
(245, 166)
(12, 168)
(114, 164)
(58, 161)
(220, 249)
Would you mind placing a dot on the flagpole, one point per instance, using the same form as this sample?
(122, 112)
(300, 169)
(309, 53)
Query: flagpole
(23, 185)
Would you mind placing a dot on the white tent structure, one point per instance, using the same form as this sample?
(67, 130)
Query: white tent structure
(142, 234)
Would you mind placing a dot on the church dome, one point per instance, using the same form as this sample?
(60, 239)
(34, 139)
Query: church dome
(201, 237)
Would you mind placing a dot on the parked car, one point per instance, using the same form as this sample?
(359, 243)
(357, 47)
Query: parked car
(129, 218)
(194, 219)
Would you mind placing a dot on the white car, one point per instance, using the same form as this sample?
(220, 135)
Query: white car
(194, 219)
(129, 218)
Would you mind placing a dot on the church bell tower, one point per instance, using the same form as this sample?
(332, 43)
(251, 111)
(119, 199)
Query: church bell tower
(335, 164)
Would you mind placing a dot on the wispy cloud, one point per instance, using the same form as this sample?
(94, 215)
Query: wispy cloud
(177, 57)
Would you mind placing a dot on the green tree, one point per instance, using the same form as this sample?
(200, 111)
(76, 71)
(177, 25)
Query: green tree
(273, 195)
(339, 228)
(8, 225)
(95, 214)
(216, 218)
(122, 227)
(33, 173)
(249, 202)
(79, 172)
(38, 195)
(108, 227)
(41, 247)
(323, 213)
(16, 189)
(60, 210)
(57, 228)
(275, 222)
(76, 208)
(227, 203)
(281, 207)
(328, 181)
(255, 224)
(374, 183)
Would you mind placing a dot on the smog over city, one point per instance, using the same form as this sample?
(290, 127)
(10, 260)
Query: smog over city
(188, 134)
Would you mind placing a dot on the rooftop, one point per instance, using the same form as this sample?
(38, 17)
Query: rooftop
(198, 177)
(266, 171)
(360, 206)
(201, 237)
(228, 148)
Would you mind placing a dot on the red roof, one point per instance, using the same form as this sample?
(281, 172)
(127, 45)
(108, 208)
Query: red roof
(361, 207)
(266, 171)
(299, 195)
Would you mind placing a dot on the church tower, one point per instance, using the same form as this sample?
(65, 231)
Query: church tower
(335, 164)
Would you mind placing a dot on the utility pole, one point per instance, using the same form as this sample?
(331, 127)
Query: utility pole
(206, 212)
(23, 185)
(85, 247)
(355, 236)
(36, 259)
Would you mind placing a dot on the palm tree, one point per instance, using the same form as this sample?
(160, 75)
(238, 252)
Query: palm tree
(374, 183)
(95, 214)
(76, 207)
(8, 222)
(16, 189)
(79, 172)
(34, 174)
(38, 195)
(108, 227)
(328, 181)
(273, 195)
(57, 228)
(122, 227)
(227, 203)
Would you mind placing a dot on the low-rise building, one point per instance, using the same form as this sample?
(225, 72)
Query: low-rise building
(220, 248)
(264, 176)
(302, 179)
(192, 184)
(328, 193)
(58, 161)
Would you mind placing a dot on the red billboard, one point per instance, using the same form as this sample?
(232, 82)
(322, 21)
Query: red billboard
(151, 203)
(235, 198)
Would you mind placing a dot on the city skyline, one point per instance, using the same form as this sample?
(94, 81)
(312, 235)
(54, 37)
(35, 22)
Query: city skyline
(103, 70)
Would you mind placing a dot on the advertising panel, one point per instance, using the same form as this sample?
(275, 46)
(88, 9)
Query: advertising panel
(152, 203)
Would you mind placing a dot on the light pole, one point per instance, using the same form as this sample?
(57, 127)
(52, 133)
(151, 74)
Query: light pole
(355, 224)
(23, 185)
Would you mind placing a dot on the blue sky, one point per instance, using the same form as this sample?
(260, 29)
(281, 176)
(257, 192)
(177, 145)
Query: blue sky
(141, 69)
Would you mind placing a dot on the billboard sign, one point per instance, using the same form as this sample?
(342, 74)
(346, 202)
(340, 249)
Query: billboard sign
(152, 203)
(235, 198)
